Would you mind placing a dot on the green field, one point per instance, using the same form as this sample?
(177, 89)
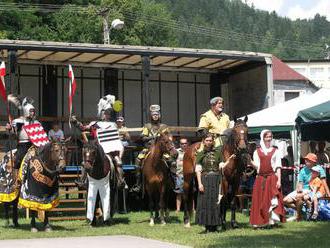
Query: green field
(303, 234)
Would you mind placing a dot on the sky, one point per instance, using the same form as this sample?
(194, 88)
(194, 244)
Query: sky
(294, 9)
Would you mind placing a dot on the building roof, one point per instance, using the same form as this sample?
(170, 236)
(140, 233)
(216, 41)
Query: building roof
(304, 61)
(129, 57)
(282, 72)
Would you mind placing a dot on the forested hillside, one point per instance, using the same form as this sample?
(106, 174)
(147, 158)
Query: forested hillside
(216, 24)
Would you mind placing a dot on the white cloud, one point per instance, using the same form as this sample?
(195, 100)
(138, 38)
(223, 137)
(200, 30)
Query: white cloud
(322, 7)
(273, 5)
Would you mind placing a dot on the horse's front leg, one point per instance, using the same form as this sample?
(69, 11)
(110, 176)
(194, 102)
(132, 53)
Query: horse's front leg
(162, 205)
(6, 209)
(47, 226)
(151, 209)
(233, 206)
(188, 200)
(33, 221)
(15, 212)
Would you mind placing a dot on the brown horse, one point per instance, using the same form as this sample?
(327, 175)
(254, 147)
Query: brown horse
(44, 164)
(237, 144)
(156, 176)
(189, 162)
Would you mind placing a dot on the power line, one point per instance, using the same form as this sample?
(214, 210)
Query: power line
(223, 33)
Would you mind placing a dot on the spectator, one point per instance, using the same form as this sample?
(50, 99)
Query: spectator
(317, 190)
(287, 173)
(296, 198)
(312, 147)
(179, 173)
(55, 134)
(322, 156)
(123, 133)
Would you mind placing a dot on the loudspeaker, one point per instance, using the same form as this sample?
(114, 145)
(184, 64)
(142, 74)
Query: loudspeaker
(12, 60)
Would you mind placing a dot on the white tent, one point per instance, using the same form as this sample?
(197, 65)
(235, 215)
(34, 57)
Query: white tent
(282, 117)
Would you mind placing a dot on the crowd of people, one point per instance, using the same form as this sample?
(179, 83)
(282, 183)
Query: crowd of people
(265, 181)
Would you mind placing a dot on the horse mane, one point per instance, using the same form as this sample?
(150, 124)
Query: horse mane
(44, 152)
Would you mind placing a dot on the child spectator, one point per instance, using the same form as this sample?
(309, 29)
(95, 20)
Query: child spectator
(55, 134)
(317, 190)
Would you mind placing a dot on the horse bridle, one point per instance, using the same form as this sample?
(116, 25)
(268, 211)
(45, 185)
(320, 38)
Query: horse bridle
(60, 158)
(84, 161)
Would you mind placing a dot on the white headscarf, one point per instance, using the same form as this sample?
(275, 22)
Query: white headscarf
(264, 149)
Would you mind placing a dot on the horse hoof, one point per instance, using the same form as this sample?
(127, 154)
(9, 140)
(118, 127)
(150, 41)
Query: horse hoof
(6, 224)
(34, 230)
(163, 223)
(48, 229)
(187, 225)
(234, 225)
(151, 223)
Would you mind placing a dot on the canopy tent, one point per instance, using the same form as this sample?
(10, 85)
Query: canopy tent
(314, 123)
(282, 117)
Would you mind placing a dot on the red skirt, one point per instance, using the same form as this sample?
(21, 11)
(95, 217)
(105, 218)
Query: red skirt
(264, 190)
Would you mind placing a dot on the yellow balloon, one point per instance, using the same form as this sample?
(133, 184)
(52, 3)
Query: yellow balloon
(117, 106)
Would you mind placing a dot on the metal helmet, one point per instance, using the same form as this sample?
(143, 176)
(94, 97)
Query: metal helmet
(154, 109)
(27, 106)
(105, 104)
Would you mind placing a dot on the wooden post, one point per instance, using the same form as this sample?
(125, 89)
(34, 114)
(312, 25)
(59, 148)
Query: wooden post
(146, 87)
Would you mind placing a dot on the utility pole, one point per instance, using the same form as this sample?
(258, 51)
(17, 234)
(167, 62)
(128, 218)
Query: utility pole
(104, 12)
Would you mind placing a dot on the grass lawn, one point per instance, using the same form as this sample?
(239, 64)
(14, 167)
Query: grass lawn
(303, 234)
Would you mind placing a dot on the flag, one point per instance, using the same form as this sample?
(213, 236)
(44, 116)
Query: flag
(72, 88)
(2, 83)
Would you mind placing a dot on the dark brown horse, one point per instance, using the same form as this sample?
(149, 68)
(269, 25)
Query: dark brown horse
(97, 167)
(157, 176)
(237, 144)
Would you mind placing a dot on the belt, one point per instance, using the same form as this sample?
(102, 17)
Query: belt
(211, 173)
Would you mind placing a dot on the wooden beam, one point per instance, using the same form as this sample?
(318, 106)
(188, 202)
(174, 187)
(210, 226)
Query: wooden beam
(191, 62)
(72, 57)
(212, 63)
(168, 61)
(41, 59)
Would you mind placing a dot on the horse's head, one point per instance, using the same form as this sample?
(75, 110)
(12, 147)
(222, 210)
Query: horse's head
(166, 144)
(54, 155)
(89, 154)
(240, 132)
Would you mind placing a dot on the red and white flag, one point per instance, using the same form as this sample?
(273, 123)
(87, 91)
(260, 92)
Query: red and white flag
(2, 81)
(72, 88)
(37, 134)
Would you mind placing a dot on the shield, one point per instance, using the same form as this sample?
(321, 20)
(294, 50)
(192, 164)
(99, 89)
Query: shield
(108, 138)
(36, 134)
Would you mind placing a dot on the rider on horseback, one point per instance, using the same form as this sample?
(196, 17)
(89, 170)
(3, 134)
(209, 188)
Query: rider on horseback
(105, 107)
(149, 133)
(16, 127)
(214, 121)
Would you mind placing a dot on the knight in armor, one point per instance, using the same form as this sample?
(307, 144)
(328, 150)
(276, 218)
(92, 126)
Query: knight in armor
(214, 121)
(16, 127)
(98, 130)
(149, 133)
